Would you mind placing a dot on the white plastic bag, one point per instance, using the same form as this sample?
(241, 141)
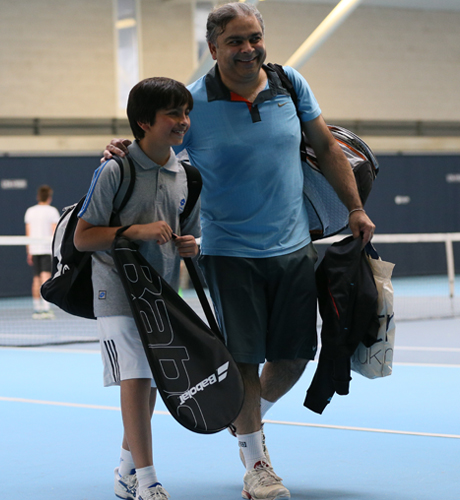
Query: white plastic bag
(377, 361)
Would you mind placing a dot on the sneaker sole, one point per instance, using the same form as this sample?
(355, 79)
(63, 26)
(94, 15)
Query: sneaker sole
(245, 494)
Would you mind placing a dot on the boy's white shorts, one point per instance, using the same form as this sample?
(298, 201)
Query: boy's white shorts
(122, 352)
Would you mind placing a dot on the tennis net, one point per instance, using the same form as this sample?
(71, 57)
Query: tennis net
(416, 297)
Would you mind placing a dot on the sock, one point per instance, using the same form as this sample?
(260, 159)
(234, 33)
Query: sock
(146, 477)
(37, 305)
(45, 306)
(264, 406)
(126, 463)
(251, 445)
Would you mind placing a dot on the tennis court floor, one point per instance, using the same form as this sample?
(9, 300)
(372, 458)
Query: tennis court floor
(396, 438)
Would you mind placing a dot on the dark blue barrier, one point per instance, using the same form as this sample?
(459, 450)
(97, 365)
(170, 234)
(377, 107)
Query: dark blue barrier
(412, 194)
(20, 177)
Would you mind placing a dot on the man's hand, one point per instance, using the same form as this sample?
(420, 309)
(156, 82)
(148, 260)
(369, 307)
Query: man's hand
(117, 147)
(186, 245)
(361, 225)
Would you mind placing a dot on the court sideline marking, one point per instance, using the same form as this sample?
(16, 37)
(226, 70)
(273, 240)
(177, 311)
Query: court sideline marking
(276, 422)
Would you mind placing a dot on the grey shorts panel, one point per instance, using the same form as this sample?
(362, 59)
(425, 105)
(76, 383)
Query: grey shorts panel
(123, 354)
(266, 307)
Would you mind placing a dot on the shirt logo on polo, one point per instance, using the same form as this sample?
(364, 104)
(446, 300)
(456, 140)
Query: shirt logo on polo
(182, 205)
(281, 104)
(102, 295)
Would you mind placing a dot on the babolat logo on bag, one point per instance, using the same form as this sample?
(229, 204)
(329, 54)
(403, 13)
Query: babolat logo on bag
(221, 374)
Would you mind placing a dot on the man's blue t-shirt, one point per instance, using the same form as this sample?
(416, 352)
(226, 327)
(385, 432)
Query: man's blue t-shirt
(252, 201)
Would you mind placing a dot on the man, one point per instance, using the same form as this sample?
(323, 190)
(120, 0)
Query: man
(40, 221)
(257, 254)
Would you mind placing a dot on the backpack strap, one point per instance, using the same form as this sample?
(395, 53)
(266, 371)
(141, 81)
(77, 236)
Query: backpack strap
(194, 184)
(287, 84)
(125, 189)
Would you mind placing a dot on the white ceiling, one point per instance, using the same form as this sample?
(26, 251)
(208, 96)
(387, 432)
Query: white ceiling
(453, 5)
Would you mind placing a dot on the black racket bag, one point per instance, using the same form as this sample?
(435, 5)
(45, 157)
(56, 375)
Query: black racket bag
(196, 376)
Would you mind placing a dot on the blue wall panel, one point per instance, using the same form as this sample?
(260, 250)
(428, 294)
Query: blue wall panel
(417, 194)
(69, 177)
(412, 194)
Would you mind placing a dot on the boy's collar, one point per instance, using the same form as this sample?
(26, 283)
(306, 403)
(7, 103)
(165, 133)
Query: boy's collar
(146, 163)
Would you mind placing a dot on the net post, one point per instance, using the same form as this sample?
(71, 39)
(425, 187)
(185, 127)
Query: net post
(450, 265)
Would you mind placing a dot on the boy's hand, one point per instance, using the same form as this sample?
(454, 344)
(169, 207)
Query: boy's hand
(186, 245)
(117, 147)
(159, 231)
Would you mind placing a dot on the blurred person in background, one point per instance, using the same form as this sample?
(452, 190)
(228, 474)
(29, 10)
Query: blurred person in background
(41, 221)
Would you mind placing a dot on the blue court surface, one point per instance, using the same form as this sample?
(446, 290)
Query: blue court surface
(396, 438)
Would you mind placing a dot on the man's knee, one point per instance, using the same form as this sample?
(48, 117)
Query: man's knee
(292, 364)
(290, 368)
(248, 371)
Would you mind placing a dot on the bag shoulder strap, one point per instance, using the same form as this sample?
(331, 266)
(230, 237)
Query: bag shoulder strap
(287, 84)
(125, 189)
(194, 184)
(193, 272)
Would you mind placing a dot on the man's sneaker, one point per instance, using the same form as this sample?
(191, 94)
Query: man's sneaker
(154, 492)
(261, 483)
(125, 486)
(232, 429)
(264, 447)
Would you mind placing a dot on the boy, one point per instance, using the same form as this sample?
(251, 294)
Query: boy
(158, 110)
(40, 221)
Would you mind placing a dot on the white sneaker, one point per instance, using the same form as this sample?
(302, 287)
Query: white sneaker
(125, 486)
(154, 492)
(264, 447)
(48, 314)
(261, 483)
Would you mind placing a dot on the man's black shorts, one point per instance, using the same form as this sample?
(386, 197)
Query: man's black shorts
(41, 264)
(266, 307)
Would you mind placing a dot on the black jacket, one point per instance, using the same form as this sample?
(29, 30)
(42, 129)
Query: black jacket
(347, 298)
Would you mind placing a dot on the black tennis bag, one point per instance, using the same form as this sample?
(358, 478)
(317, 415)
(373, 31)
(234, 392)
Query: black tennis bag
(327, 215)
(70, 286)
(196, 376)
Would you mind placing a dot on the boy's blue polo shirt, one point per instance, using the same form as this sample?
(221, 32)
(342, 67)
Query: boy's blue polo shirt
(252, 201)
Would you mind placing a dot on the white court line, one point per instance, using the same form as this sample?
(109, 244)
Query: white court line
(277, 422)
(426, 365)
(54, 349)
(363, 429)
(430, 349)
(73, 405)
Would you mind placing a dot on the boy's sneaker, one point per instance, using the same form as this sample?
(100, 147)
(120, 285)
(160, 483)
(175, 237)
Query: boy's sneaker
(125, 486)
(154, 492)
(261, 483)
(264, 447)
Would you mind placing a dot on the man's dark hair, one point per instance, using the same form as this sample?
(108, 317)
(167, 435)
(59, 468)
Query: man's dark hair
(149, 96)
(222, 15)
(44, 192)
